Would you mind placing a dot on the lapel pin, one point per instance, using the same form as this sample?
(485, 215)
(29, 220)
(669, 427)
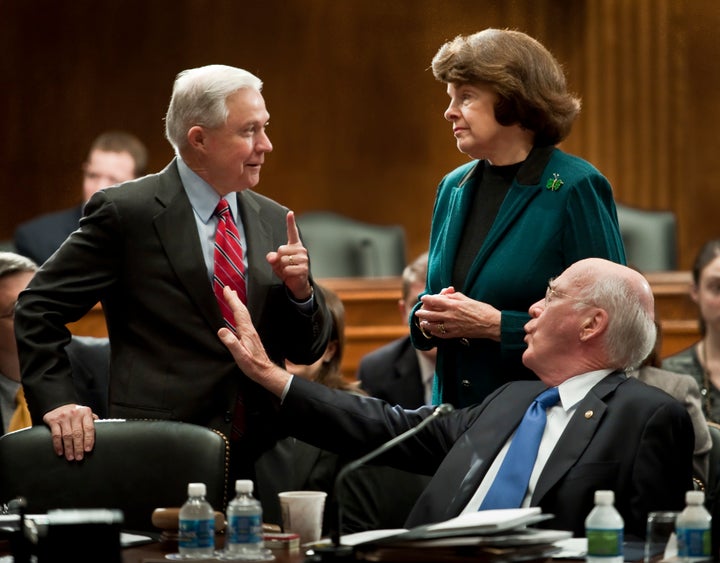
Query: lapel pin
(553, 184)
(588, 414)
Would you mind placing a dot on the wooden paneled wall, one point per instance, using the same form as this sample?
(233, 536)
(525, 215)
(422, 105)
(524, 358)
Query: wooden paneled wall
(356, 114)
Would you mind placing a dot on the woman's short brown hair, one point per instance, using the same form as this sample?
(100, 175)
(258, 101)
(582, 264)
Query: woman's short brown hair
(528, 80)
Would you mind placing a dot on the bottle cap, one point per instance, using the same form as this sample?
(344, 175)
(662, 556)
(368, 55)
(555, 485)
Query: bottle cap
(243, 486)
(694, 497)
(604, 497)
(196, 489)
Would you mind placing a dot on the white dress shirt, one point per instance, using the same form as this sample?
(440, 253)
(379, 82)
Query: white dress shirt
(572, 391)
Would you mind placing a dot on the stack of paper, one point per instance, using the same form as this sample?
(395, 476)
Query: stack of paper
(492, 536)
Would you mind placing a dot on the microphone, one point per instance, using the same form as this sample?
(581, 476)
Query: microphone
(336, 550)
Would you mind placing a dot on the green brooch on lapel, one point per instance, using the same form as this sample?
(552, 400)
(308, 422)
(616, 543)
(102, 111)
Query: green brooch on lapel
(554, 183)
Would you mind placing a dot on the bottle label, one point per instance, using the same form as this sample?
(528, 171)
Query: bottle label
(693, 542)
(196, 534)
(245, 529)
(604, 543)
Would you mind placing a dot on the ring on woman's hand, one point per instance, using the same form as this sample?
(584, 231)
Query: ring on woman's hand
(441, 326)
(291, 261)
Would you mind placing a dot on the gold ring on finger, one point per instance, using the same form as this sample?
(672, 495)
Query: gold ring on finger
(291, 261)
(441, 326)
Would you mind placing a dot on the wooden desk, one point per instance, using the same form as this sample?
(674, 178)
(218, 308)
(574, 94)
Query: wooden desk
(372, 317)
(156, 552)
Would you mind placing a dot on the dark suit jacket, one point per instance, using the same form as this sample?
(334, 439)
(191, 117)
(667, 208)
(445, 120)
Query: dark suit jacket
(40, 237)
(392, 373)
(137, 251)
(625, 436)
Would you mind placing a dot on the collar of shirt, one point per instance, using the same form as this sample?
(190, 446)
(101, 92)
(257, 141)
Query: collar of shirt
(204, 199)
(202, 196)
(573, 390)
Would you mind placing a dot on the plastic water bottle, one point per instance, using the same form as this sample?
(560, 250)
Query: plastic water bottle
(197, 524)
(693, 529)
(604, 530)
(244, 522)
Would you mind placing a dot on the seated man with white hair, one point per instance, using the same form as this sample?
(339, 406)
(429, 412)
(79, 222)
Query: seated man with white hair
(605, 430)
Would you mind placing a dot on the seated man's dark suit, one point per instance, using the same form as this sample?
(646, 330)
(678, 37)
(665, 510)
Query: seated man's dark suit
(392, 373)
(40, 237)
(624, 435)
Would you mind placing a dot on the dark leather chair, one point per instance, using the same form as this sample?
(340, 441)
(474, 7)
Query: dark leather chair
(341, 247)
(650, 238)
(136, 466)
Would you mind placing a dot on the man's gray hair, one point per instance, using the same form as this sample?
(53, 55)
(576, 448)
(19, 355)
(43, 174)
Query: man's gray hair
(199, 98)
(12, 263)
(631, 330)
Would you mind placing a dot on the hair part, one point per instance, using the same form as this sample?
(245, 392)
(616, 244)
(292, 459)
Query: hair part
(199, 98)
(122, 141)
(528, 80)
(708, 252)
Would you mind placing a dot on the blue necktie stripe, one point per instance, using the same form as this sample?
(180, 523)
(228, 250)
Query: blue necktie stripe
(510, 484)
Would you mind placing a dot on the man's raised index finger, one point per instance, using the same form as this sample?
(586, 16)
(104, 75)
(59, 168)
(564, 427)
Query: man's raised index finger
(292, 230)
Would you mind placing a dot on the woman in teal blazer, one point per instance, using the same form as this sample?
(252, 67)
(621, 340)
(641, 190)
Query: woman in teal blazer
(507, 222)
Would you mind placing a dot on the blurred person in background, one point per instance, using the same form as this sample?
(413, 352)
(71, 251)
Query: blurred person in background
(702, 359)
(114, 157)
(398, 372)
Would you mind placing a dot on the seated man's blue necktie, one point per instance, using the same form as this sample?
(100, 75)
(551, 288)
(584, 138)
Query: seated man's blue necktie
(511, 482)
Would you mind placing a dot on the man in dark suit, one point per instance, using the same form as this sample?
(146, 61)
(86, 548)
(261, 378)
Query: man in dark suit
(114, 157)
(145, 250)
(89, 356)
(609, 431)
(397, 372)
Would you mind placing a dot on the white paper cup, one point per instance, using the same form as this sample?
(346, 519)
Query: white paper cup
(302, 513)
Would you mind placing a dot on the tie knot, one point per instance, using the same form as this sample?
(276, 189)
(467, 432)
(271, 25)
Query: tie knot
(223, 208)
(548, 398)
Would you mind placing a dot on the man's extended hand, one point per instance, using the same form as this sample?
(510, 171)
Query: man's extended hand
(73, 430)
(290, 263)
(248, 349)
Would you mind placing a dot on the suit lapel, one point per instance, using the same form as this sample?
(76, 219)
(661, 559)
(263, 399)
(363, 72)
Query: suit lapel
(524, 189)
(481, 446)
(258, 236)
(175, 227)
(577, 435)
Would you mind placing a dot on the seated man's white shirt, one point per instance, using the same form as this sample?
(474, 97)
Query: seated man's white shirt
(571, 392)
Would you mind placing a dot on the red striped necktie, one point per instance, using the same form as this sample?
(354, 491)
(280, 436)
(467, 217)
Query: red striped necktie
(229, 270)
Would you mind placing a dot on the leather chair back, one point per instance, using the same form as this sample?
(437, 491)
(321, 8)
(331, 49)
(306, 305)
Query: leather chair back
(341, 247)
(650, 238)
(136, 466)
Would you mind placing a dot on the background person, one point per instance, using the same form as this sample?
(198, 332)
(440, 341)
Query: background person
(685, 389)
(608, 431)
(398, 372)
(114, 157)
(89, 356)
(145, 250)
(516, 215)
(294, 465)
(702, 359)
